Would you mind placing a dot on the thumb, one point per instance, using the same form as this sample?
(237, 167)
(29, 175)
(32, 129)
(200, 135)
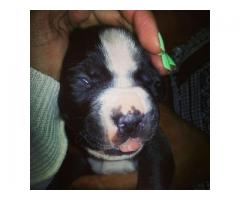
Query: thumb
(77, 17)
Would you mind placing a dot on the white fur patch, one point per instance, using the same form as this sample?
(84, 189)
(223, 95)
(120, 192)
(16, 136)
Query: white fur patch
(124, 98)
(112, 167)
(119, 49)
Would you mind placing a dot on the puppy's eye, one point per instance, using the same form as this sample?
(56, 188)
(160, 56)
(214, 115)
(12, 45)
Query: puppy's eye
(84, 82)
(146, 78)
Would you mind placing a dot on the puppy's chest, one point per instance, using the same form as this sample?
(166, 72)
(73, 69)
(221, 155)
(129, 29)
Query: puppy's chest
(112, 167)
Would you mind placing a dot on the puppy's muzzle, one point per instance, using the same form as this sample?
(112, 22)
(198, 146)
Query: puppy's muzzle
(128, 124)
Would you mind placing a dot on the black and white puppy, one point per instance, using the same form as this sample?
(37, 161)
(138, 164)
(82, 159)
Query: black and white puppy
(108, 103)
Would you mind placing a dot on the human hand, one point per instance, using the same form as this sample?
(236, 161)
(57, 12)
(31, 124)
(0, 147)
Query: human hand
(50, 34)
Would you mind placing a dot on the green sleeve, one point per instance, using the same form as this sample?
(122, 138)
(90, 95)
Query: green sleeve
(48, 141)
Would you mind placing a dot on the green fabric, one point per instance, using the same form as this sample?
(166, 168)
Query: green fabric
(48, 141)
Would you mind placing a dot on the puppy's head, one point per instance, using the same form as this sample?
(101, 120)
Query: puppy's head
(108, 98)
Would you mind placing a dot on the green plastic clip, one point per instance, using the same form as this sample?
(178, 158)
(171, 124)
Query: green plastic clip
(168, 62)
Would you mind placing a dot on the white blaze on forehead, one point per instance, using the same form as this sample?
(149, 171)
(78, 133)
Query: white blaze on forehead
(119, 49)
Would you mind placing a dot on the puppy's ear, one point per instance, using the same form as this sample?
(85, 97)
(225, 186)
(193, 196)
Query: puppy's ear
(157, 87)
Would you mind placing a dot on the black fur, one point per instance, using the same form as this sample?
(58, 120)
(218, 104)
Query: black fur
(79, 87)
(81, 83)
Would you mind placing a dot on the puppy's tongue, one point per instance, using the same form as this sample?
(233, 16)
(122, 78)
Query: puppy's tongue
(132, 144)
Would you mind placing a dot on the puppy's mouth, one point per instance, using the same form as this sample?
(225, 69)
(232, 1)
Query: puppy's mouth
(126, 150)
(122, 146)
(130, 146)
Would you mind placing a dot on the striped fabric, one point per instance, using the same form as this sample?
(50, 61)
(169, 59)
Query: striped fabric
(191, 99)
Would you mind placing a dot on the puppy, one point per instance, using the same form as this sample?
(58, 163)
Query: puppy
(109, 104)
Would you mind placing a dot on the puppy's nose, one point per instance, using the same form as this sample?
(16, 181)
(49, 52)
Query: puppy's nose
(128, 124)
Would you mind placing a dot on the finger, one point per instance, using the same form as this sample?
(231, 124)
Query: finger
(146, 29)
(77, 17)
(90, 21)
(157, 62)
(112, 18)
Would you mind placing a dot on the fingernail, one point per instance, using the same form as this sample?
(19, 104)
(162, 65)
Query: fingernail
(168, 62)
